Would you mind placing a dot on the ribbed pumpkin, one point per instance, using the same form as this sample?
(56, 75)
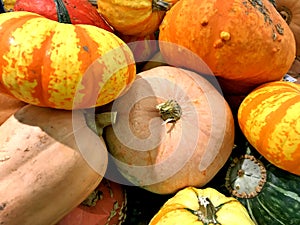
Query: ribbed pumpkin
(61, 65)
(77, 11)
(173, 130)
(270, 195)
(50, 161)
(134, 17)
(201, 206)
(8, 106)
(106, 205)
(245, 43)
(269, 119)
(290, 11)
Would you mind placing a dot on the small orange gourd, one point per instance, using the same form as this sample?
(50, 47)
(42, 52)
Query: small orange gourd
(134, 17)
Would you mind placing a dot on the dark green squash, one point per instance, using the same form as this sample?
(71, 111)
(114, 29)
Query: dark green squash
(271, 195)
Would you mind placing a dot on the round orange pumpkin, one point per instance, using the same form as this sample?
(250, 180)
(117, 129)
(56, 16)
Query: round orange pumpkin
(244, 43)
(106, 205)
(269, 119)
(173, 130)
(290, 11)
(62, 65)
(134, 17)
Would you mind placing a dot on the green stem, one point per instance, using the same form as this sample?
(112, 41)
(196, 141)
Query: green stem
(97, 122)
(170, 111)
(62, 12)
(161, 5)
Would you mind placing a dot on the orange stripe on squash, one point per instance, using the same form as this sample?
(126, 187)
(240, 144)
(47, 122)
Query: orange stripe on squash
(269, 118)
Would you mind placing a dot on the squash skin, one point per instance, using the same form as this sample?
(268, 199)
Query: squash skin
(175, 210)
(163, 158)
(80, 11)
(132, 17)
(290, 11)
(268, 118)
(8, 106)
(110, 209)
(46, 69)
(44, 173)
(220, 33)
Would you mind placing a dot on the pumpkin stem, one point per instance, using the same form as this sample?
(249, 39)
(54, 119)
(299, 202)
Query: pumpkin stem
(170, 111)
(206, 212)
(286, 14)
(62, 12)
(161, 5)
(97, 122)
(245, 177)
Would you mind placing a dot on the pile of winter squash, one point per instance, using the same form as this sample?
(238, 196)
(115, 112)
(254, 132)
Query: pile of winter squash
(196, 102)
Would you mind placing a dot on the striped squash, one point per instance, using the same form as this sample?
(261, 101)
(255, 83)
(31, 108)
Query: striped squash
(61, 65)
(269, 119)
(206, 206)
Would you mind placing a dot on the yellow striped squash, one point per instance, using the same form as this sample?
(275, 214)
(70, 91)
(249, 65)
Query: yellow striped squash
(195, 206)
(269, 117)
(47, 63)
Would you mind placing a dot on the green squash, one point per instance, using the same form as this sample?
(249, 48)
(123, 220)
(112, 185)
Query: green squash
(271, 195)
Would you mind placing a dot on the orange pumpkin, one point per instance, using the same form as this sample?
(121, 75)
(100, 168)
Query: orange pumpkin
(290, 11)
(105, 206)
(244, 43)
(8, 106)
(89, 68)
(173, 129)
(134, 17)
(269, 119)
(77, 11)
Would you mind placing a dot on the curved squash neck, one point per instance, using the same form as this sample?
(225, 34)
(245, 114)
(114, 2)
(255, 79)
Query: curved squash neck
(62, 12)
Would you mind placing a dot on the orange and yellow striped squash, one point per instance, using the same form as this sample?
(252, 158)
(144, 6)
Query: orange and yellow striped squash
(269, 118)
(47, 63)
(134, 17)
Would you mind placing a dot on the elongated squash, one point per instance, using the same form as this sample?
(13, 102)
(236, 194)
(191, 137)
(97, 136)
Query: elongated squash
(50, 161)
